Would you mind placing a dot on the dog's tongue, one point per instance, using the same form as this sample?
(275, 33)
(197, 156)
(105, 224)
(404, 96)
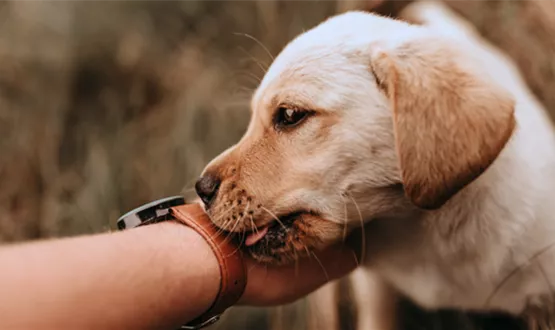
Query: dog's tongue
(256, 236)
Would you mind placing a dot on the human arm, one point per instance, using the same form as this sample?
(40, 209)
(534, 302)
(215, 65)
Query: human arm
(157, 276)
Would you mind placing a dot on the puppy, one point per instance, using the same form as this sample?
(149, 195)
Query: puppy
(423, 135)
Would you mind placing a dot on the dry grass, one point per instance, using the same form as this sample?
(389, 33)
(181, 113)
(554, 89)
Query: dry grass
(105, 105)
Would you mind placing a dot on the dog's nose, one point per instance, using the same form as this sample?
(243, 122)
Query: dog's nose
(207, 188)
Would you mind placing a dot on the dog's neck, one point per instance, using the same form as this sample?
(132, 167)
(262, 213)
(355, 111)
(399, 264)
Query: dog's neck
(488, 248)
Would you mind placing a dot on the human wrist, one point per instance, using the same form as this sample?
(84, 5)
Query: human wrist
(287, 283)
(227, 255)
(192, 267)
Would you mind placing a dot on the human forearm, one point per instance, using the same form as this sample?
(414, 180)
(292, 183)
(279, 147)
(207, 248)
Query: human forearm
(151, 277)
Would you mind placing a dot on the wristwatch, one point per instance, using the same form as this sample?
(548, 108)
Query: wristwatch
(232, 269)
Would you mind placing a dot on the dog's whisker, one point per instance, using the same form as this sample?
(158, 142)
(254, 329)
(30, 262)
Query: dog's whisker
(220, 217)
(274, 217)
(307, 250)
(219, 232)
(515, 271)
(546, 278)
(258, 42)
(246, 90)
(252, 223)
(249, 74)
(255, 229)
(363, 233)
(262, 67)
(242, 240)
(253, 226)
(296, 263)
(246, 210)
(344, 217)
(226, 212)
(234, 251)
(321, 265)
(238, 245)
(238, 221)
(222, 229)
(229, 232)
(357, 261)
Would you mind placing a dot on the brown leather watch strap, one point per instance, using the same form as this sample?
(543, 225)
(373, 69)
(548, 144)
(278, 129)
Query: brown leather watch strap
(232, 269)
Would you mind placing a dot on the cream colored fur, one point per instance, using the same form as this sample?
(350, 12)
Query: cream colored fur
(452, 244)
(502, 220)
(525, 230)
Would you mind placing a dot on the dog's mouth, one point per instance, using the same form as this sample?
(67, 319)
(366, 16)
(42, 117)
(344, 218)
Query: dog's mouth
(256, 236)
(285, 239)
(275, 233)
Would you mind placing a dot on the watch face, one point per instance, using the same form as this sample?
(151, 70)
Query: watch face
(152, 212)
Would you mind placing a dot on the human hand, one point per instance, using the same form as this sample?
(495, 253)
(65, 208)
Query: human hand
(269, 285)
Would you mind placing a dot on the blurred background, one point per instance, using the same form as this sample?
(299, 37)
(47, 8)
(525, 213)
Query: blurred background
(105, 105)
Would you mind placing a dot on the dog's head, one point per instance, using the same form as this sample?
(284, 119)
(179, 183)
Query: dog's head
(358, 118)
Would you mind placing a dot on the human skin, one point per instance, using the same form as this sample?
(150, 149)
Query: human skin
(151, 277)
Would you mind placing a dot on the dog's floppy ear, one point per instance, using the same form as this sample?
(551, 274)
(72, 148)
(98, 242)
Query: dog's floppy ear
(450, 121)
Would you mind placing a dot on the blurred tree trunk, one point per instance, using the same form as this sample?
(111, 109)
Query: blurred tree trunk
(524, 29)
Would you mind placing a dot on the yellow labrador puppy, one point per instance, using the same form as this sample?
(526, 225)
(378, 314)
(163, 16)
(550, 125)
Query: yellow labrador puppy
(423, 134)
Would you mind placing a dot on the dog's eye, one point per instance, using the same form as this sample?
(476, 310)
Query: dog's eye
(287, 117)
